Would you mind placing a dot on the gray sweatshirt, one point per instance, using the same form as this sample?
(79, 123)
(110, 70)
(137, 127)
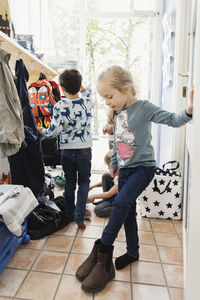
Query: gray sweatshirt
(132, 131)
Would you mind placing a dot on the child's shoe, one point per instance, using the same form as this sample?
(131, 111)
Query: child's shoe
(81, 226)
(60, 180)
(87, 214)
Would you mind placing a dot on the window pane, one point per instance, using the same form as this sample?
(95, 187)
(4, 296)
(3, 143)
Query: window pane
(108, 5)
(144, 4)
(123, 42)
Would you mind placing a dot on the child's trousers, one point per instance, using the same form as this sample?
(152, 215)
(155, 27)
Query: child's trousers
(132, 182)
(76, 165)
(104, 207)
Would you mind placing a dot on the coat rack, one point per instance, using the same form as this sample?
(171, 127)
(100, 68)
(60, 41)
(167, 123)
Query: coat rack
(32, 63)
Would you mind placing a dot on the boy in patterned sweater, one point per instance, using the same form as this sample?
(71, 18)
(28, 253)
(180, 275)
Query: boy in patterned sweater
(72, 121)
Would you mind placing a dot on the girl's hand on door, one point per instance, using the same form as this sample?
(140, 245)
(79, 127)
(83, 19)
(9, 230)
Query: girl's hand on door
(189, 108)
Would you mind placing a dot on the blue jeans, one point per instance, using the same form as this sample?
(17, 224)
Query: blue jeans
(132, 182)
(76, 165)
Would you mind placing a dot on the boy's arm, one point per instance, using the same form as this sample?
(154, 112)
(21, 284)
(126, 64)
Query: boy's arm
(56, 125)
(86, 91)
(105, 195)
(99, 184)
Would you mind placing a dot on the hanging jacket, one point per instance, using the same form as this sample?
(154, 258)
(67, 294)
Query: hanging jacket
(26, 165)
(11, 120)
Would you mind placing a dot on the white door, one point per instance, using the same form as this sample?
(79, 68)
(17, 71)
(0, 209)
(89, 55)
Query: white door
(192, 178)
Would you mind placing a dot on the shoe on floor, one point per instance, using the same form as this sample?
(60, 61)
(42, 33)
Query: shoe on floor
(60, 180)
(102, 272)
(87, 214)
(81, 226)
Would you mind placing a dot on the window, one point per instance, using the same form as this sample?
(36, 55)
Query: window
(92, 34)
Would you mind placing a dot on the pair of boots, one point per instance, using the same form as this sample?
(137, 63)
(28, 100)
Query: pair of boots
(98, 269)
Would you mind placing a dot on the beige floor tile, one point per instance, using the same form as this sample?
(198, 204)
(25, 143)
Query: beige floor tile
(179, 226)
(10, 281)
(91, 232)
(162, 227)
(50, 262)
(147, 292)
(146, 272)
(149, 253)
(123, 275)
(144, 225)
(121, 236)
(34, 244)
(70, 230)
(74, 261)
(146, 237)
(22, 259)
(115, 290)
(174, 275)
(167, 239)
(171, 255)
(94, 220)
(59, 243)
(70, 289)
(39, 286)
(176, 294)
(160, 220)
(119, 249)
(3, 298)
(83, 246)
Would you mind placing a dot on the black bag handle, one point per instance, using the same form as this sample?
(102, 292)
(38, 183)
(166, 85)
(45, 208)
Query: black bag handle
(157, 189)
(171, 162)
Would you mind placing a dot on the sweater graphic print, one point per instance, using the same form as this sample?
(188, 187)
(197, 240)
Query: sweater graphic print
(72, 121)
(124, 137)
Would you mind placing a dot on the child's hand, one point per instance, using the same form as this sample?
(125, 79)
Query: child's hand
(82, 89)
(112, 172)
(110, 129)
(90, 199)
(105, 129)
(189, 108)
(40, 129)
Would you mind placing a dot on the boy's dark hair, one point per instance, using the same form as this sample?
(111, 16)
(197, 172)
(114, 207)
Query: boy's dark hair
(71, 81)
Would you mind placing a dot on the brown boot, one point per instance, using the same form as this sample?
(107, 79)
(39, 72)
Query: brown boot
(102, 273)
(87, 266)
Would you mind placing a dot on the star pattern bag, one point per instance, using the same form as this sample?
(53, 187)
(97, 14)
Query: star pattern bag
(163, 197)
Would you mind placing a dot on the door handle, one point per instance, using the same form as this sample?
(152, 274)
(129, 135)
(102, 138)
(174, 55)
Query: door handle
(183, 75)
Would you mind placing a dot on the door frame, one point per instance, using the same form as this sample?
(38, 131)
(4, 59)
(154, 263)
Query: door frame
(192, 262)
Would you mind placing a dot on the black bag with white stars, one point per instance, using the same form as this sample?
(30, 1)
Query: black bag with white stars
(163, 197)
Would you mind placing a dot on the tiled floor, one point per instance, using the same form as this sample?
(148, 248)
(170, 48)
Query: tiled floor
(44, 269)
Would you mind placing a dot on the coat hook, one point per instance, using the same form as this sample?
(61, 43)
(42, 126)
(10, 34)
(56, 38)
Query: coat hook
(19, 55)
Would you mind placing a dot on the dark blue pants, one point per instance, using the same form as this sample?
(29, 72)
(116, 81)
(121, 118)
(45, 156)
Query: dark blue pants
(132, 182)
(76, 165)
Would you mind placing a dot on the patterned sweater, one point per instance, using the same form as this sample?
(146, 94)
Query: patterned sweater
(132, 131)
(72, 121)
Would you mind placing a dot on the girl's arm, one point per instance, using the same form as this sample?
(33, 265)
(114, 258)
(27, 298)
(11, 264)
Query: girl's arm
(105, 195)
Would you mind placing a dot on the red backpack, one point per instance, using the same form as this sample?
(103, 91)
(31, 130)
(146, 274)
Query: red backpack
(41, 98)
